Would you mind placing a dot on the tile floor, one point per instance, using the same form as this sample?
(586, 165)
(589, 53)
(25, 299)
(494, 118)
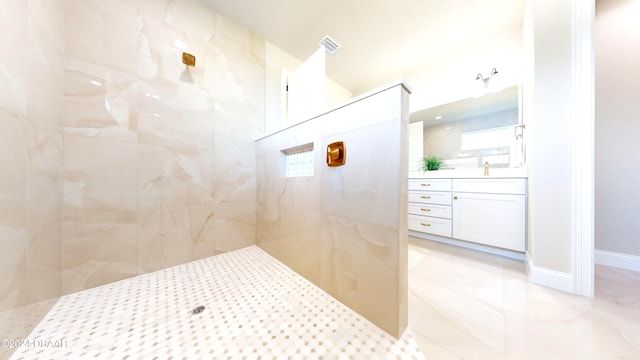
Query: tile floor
(465, 304)
(255, 307)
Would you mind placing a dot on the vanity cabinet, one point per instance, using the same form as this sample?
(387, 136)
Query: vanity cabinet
(490, 212)
(487, 211)
(430, 206)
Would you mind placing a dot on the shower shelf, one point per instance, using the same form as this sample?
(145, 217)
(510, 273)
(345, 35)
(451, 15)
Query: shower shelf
(297, 161)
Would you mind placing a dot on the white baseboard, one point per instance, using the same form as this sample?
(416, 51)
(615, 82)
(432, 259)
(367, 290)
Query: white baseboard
(549, 278)
(618, 260)
(487, 249)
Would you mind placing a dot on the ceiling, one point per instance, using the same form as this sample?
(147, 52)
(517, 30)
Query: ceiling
(381, 40)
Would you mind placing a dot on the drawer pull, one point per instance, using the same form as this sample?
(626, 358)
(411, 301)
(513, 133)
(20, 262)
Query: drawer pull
(425, 184)
(423, 224)
(425, 197)
(455, 198)
(423, 209)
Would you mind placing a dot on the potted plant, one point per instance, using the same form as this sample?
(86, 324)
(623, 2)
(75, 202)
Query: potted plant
(431, 163)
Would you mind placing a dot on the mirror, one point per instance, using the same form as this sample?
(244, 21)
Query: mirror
(470, 132)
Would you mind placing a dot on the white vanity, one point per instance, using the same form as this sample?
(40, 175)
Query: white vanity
(467, 206)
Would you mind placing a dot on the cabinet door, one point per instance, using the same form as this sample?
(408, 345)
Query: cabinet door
(490, 219)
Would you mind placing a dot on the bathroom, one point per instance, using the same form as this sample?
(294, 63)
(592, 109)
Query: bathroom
(118, 160)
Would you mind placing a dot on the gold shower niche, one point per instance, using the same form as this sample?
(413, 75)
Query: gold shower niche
(297, 161)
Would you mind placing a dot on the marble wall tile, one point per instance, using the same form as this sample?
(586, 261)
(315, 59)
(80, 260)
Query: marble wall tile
(173, 236)
(13, 24)
(269, 229)
(96, 254)
(13, 170)
(345, 227)
(360, 189)
(30, 158)
(236, 127)
(99, 101)
(301, 242)
(43, 279)
(236, 66)
(102, 32)
(168, 29)
(99, 180)
(44, 161)
(12, 268)
(44, 76)
(173, 115)
(301, 192)
(171, 176)
(233, 177)
(359, 264)
(235, 225)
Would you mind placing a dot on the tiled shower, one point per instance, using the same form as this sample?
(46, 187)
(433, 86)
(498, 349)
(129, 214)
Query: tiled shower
(116, 158)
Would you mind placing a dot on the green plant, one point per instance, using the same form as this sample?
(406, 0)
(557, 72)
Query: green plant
(431, 163)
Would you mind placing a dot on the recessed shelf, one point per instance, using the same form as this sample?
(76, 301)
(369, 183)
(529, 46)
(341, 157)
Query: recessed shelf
(297, 161)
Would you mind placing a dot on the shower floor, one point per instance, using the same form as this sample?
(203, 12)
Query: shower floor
(254, 307)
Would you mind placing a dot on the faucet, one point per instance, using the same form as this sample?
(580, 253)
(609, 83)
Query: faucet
(486, 168)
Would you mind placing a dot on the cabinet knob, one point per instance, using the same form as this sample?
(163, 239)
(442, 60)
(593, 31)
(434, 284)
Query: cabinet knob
(425, 184)
(425, 197)
(455, 198)
(423, 224)
(423, 209)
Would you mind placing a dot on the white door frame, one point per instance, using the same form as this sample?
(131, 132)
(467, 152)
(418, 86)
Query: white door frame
(583, 143)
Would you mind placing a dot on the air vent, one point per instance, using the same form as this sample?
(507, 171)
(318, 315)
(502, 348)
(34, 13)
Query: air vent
(329, 44)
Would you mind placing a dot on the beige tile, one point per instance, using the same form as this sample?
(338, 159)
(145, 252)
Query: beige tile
(234, 177)
(43, 279)
(44, 173)
(450, 289)
(359, 267)
(97, 254)
(86, 39)
(99, 102)
(234, 225)
(173, 236)
(45, 61)
(99, 180)
(301, 242)
(12, 268)
(13, 170)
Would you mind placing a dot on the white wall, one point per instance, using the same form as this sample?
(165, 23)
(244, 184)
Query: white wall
(276, 60)
(453, 77)
(617, 126)
(548, 91)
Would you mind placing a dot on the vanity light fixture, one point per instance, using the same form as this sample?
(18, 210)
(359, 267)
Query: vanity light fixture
(485, 85)
(485, 81)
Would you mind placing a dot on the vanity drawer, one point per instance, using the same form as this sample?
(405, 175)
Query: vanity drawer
(430, 225)
(430, 184)
(430, 197)
(491, 186)
(441, 211)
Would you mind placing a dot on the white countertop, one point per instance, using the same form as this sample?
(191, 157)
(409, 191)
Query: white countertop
(470, 173)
